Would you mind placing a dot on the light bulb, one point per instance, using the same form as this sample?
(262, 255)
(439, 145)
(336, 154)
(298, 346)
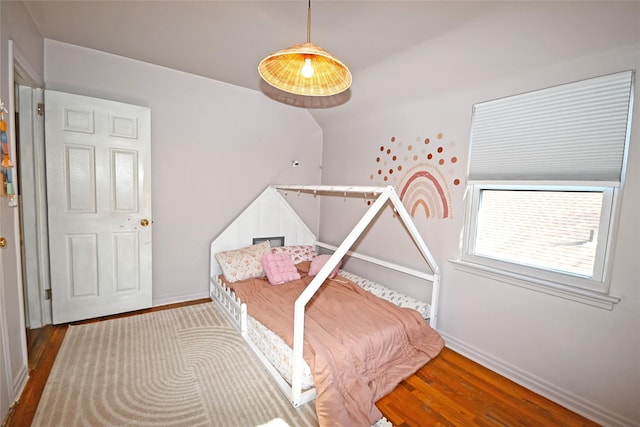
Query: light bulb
(307, 68)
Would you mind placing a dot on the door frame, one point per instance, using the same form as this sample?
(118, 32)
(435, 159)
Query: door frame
(27, 76)
(33, 214)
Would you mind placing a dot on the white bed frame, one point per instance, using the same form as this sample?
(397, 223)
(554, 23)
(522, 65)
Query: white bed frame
(246, 226)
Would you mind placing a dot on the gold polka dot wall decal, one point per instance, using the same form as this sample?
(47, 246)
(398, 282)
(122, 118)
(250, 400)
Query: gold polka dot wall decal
(415, 158)
(379, 171)
(378, 159)
(429, 156)
(456, 181)
(399, 168)
(454, 159)
(394, 158)
(393, 139)
(439, 136)
(427, 140)
(410, 147)
(382, 148)
(388, 150)
(371, 177)
(441, 162)
(440, 149)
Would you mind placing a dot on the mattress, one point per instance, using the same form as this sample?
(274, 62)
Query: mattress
(280, 355)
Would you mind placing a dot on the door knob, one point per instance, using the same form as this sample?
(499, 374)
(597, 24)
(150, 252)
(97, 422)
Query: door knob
(3, 242)
(144, 222)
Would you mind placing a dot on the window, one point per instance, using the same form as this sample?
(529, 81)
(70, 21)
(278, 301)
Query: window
(545, 170)
(557, 231)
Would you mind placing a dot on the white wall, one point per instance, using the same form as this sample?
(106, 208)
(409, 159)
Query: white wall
(16, 25)
(584, 357)
(215, 147)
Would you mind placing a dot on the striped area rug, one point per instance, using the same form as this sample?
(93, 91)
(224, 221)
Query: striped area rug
(178, 367)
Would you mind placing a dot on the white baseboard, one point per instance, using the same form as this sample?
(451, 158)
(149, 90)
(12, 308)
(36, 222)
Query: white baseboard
(19, 383)
(172, 299)
(540, 386)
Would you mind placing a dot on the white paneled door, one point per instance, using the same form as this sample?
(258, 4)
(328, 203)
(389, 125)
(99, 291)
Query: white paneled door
(99, 200)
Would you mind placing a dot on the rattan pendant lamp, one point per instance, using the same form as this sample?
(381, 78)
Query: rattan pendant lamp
(305, 69)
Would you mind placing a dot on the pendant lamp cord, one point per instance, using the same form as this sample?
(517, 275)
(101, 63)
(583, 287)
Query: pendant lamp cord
(309, 23)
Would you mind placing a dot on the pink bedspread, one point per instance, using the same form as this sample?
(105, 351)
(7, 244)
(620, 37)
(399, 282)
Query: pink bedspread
(358, 346)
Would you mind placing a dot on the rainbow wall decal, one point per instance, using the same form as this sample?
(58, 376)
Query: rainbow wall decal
(419, 174)
(421, 190)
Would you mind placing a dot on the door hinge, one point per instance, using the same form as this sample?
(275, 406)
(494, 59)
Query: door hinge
(47, 294)
(40, 109)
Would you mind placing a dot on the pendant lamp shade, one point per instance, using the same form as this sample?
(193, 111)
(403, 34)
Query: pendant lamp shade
(305, 69)
(284, 70)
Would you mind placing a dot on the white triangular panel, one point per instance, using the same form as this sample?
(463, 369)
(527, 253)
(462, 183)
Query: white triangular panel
(269, 215)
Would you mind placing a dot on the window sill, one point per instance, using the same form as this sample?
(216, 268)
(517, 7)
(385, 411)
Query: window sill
(595, 299)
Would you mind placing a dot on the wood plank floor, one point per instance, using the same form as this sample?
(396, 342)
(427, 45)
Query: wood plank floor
(451, 390)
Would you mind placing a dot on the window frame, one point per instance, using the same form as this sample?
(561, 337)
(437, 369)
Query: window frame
(598, 282)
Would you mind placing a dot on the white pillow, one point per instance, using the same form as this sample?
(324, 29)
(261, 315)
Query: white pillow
(244, 263)
(298, 253)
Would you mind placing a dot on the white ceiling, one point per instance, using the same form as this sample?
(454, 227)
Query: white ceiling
(225, 40)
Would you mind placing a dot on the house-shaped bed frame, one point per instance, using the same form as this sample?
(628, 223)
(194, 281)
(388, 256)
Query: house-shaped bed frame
(271, 215)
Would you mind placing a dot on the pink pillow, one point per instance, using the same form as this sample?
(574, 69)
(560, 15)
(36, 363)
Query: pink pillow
(318, 262)
(279, 268)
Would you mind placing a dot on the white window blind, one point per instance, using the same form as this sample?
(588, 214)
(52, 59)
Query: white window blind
(573, 132)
